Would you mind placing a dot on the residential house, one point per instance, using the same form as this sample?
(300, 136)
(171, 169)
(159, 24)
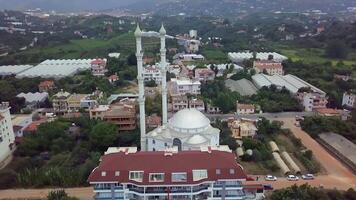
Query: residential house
(153, 121)
(59, 102)
(179, 102)
(186, 86)
(197, 104)
(349, 99)
(122, 114)
(152, 72)
(210, 109)
(204, 74)
(242, 128)
(269, 66)
(244, 108)
(46, 86)
(98, 67)
(113, 78)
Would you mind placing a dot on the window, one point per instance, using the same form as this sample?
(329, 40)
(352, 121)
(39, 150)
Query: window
(179, 177)
(103, 173)
(232, 171)
(218, 171)
(200, 174)
(117, 173)
(156, 177)
(136, 176)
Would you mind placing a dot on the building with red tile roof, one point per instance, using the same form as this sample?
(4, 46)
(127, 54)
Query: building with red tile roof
(205, 174)
(46, 86)
(269, 66)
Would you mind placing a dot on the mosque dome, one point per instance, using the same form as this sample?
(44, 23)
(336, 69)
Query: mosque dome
(196, 139)
(189, 121)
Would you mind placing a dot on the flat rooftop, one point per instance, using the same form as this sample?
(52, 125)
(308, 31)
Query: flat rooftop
(340, 144)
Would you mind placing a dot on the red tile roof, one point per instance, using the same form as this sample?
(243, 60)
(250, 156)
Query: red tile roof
(34, 125)
(267, 64)
(328, 111)
(98, 62)
(245, 106)
(46, 84)
(158, 162)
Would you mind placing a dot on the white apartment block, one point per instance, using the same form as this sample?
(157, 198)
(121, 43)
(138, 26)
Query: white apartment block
(186, 86)
(152, 72)
(7, 136)
(349, 100)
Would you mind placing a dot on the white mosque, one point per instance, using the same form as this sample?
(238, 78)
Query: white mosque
(188, 129)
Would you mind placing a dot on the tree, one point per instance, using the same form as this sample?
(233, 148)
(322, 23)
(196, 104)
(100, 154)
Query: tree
(103, 135)
(132, 60)
(336, 49)
(59, 195)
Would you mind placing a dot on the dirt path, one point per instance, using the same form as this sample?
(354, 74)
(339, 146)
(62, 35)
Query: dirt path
(336, 171)
(85, 193)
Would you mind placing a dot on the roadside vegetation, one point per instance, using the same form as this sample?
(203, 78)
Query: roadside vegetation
(317, 125)
(307, 192)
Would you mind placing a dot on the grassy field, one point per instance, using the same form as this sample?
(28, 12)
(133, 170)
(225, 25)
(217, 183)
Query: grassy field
(313, 55)
(215, 55)
(89, 48)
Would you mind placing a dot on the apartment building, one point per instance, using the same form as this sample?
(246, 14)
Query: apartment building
(208, 173)
(7, 136)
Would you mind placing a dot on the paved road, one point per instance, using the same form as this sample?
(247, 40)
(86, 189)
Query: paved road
(257, 115)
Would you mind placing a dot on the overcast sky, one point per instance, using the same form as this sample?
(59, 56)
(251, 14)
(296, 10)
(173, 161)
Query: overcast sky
(64, 5)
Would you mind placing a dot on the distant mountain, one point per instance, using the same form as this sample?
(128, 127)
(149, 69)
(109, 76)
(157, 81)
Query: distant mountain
(191, 7)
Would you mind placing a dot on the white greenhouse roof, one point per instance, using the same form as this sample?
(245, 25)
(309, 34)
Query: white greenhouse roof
(57, 68)
(7, 70)
(34, 97)
(290, 82)
(240, 56)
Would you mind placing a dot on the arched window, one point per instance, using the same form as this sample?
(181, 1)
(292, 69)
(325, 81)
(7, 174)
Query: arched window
(178, 143)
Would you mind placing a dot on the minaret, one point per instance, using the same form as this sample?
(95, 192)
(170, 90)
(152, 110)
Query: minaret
(141, 93)
(163, 65)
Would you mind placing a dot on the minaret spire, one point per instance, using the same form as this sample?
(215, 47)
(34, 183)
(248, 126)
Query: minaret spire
(141, 94)
(163, 66)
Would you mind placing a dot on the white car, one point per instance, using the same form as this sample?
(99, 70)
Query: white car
(292, 178)
(270, 178)
(308, 177)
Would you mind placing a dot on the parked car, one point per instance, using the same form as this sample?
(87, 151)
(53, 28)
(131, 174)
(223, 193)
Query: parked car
(270, 178)
(268, 187)
(308, 177)
(292, 178)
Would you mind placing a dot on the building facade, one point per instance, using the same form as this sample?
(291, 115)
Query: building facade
(244, 108)
(186, 86)
(7, 136)
(242, 128)
(59, 102)
(349, 99)
(179, 102)
(98, 67)
(204, 74)
(269, 66)
(312, 100)
(46, 86)
(152, 73)
(122, 114)
(206, 174)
